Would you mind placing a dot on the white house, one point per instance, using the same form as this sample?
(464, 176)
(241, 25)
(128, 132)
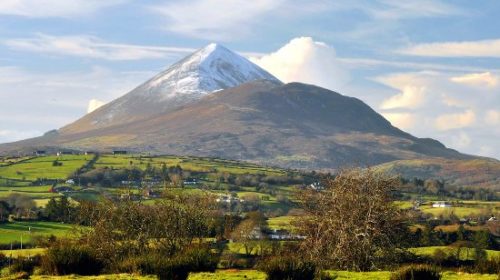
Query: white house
(441, 204)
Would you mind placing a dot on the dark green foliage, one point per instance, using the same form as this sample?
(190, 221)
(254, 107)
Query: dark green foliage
(24, 265)
(178, 267)
(491, 266)
(416, 272)
(287, 268)
(59, 210)
(65, 258)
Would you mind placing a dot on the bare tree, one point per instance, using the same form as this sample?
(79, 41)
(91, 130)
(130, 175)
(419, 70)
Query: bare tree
(352, 224)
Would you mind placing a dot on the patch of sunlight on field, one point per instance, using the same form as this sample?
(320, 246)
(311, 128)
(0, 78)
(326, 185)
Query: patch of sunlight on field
(24, 252)
(230, 274)
(41, 167)
(466, 253)
(282, 222)
(100, 277)
(12, 232)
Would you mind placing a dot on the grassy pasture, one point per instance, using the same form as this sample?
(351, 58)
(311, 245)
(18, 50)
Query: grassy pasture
(187, 163)
(466, 253)
(41, 167)
(235, 274)
(12, 232)
(282, 222)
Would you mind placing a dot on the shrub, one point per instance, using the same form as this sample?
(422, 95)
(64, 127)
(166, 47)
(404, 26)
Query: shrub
(25, 265)
(177, 267)
(416, 272)
(491, 266)
(64, 258)
(289, 268)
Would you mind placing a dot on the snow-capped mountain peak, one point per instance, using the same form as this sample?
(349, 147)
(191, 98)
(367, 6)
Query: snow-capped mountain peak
(209, 69)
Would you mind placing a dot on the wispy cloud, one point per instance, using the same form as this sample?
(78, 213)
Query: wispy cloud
(486, 79)
(54, 8)
(214, 19)
(483, 48)
(454, 121)
(92, 47)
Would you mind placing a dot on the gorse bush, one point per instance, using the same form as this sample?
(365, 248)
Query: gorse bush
(491, 266)
(287, 268)
(25, 265)
(65, 258)
(177, 267)
(416, 272)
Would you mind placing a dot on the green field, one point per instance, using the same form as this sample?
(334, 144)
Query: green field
(282, 222)
(41, 167)
(257, 275)
(12, 232)
(188, 163)
(23, 252)
(465, 253)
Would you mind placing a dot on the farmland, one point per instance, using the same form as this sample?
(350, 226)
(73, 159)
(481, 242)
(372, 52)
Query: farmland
(245, 186)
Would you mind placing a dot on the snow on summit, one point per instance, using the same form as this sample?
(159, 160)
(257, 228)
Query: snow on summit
(209, 69)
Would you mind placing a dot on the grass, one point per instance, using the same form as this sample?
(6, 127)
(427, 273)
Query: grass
(460, 212)
(23, 253)
(187, 163)
(41, 167)
(100, 277)
(282, 222)
(12, 232)
(466, 253)
(234, 274)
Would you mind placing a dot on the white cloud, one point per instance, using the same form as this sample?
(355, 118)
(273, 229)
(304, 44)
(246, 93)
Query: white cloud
(461, 141)
(410, 97)
(485, 79)
(305, 60)
(214, 19)
(396, 9)
(484, 48)
(454, 121)
(93, 47)
(94, 104)
(54, 8)
(492, 117)
(401, 120)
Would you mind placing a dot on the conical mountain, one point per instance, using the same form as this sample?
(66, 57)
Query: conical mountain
(216, 103)
(207, 70)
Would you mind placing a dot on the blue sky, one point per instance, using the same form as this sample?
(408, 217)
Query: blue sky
(431, 67)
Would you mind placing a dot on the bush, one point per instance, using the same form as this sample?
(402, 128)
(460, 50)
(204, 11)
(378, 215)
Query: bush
(491, 266)
(289, 268)
(25, 265)
(65, 258)
(178, 267)
(416, 272)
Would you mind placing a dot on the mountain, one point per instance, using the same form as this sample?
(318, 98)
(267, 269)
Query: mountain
(208, 70)
(477, 172)
(217, 103)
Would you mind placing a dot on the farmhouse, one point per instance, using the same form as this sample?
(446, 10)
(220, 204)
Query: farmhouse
(441, 204)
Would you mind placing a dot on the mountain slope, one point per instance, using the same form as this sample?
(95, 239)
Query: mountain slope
(209, 69)
(293, 125)
(478, 172)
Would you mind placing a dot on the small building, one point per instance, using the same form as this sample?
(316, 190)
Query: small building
(441, 204)
(62, 189)
(190, 182)
(40, 153)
